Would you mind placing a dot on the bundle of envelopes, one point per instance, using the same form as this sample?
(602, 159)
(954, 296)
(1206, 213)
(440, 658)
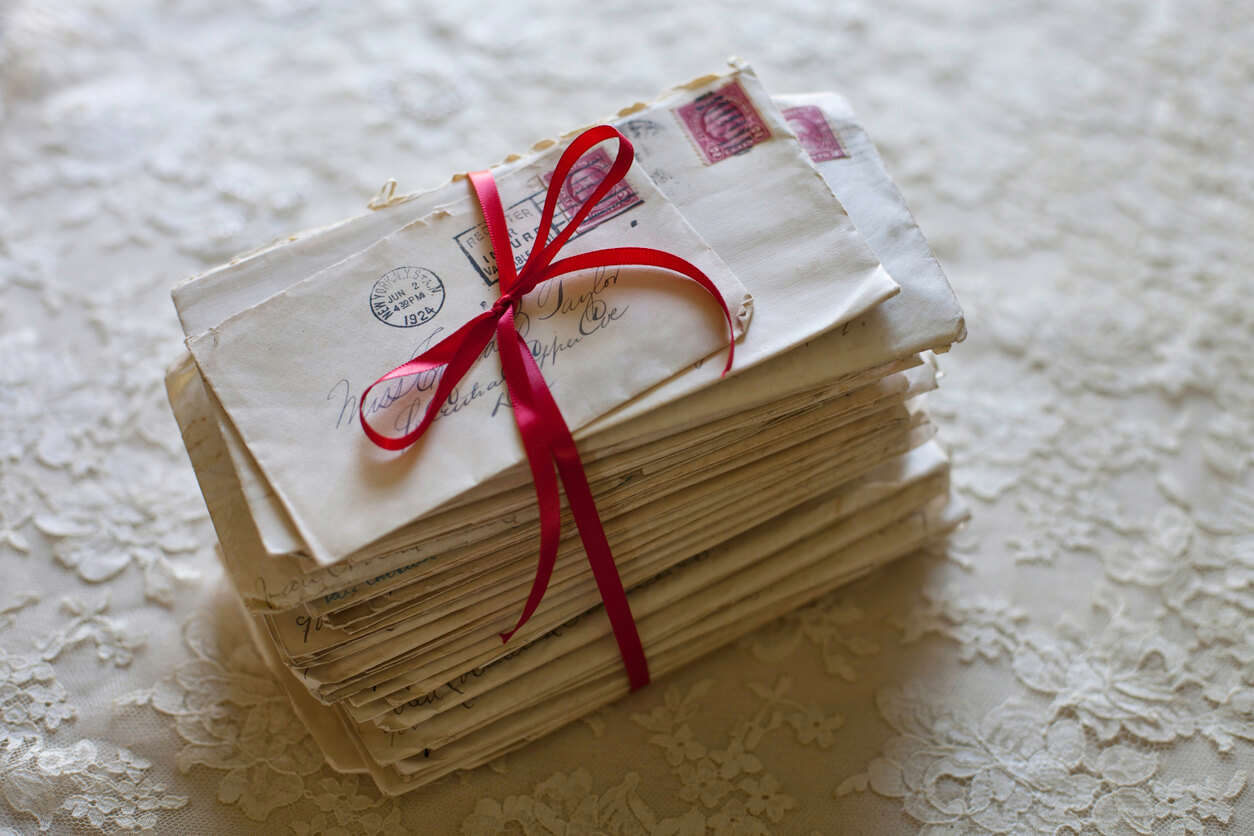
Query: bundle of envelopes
(377, 584)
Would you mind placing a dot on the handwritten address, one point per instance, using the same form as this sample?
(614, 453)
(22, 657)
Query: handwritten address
(405, 399)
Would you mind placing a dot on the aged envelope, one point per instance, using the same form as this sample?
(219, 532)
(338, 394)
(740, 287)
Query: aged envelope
(289, 371)
(442, 653)
(699, 591)
(835, 561)
(622, 509)
(720, 149)
(925, 462)
(701, 509)
(769, 601)
(924, 314)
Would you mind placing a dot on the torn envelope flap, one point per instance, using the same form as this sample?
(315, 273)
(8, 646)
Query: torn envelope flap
(288, 371)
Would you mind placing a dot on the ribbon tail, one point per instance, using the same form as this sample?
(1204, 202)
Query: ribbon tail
(617, 607)
(583, 508)
(530, 423)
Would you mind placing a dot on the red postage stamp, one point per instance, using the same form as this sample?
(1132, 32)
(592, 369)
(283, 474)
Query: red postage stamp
(723, 123)
(814, 134)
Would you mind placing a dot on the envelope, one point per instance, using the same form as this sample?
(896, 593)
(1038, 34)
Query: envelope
(279, 582)
(289, 372)
(924, 315)
(829, 558)
(842, 454)
(754, 197)
(729, 574)
(703, 493)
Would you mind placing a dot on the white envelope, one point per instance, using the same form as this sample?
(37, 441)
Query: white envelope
(289, 372)
(793, 244)
(925, 314)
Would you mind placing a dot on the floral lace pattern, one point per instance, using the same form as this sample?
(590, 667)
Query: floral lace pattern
(103, 785)
(1005, 773)
(1079, 660)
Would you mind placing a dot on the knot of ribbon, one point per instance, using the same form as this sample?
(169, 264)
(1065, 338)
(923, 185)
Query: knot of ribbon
(546, 438)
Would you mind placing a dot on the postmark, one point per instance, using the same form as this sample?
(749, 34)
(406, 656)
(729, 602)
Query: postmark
(722, 123)
(640, 128)
(523, 218)
(814, 134)
(406, 296)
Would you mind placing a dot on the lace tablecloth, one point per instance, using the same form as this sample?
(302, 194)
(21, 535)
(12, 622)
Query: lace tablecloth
(1080, 658)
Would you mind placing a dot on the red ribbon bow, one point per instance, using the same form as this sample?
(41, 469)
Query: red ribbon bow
(546, 438)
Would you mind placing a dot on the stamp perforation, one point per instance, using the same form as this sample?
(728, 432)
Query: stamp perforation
(722, 123)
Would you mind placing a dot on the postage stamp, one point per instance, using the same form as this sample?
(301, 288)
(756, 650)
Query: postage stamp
(722, 123)
(582, 181)
(523, 218)
(406, 296)
(814, 134)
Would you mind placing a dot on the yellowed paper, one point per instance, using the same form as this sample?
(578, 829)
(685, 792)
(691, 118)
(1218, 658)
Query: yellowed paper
(289, 371)
(693, 492)
(761, 207)
(447, 651)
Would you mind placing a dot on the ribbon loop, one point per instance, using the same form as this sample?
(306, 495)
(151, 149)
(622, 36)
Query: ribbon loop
(582, 144)
(547, 441)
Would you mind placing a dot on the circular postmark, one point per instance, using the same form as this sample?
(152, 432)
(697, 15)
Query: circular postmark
(406, 296)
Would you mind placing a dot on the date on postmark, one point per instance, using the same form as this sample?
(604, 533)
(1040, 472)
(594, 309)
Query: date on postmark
(723, 123)
(406, 296)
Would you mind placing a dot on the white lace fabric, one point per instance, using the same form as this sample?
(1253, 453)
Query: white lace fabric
(1080, 659)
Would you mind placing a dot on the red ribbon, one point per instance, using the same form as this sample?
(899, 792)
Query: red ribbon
(545, 436)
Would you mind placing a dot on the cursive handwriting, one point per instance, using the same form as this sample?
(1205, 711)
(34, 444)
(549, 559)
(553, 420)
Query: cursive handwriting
(553, 298)
(404, 397)
(384, 397)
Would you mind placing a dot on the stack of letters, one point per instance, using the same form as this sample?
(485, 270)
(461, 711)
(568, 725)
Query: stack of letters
(378, 583)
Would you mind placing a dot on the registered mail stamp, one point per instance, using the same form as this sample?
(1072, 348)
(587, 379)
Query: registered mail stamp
(406, 296)
(814, 134)
(523, 218)
(722, 123)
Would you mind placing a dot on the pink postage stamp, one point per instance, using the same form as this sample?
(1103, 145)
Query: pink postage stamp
(723, 123)
(814, 134)
(582, 181)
